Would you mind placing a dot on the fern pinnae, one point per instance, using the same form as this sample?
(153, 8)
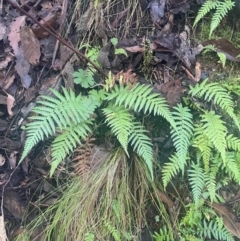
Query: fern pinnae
(67, 141)
(140, 97)
(182, 133)
(215, 129)
(206, 8)
(233, 143)
(201, 141)
(170, 169)
(142, 145)
(60, 112)
(120, 121)
(197, 181)
(222, 9)
(219, 95)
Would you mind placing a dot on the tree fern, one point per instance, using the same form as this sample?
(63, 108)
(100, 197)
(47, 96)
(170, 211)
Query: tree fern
(142, 145)
(214, 128)
(140, 98)
(182, 133)
(197, 181)
(61, 111)
(218, 95)
(120, 121)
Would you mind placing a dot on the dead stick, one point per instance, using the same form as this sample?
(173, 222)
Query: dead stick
(63, 41)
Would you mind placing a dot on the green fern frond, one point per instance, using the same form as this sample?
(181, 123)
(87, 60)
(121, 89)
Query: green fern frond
(197, 181)
(142, 145)
(222, 58)
(202, 142)
(164, 234)
(222, 9)
(182, 133)
(233, 143)
(60, 111)
(209, 229)
(140, 97)
(89, 237)
(116, 208)
(170, 169)
(214, 128)
(232, 167)
(113, 231)
(210, 180)
(121, 122)
(67, 141)
(205, 9)
(218, 95)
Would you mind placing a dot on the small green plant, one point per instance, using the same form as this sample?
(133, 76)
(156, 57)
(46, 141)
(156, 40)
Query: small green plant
(117, 51)
(221, 7)
(84, 78)
(222, 56)
(70, 115)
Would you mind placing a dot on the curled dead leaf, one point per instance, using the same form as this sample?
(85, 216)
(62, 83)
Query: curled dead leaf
(10, 103)
(30, 45)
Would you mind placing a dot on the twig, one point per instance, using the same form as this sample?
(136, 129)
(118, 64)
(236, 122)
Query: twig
(63, 41)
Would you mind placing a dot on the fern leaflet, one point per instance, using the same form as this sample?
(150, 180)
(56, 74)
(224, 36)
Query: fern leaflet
(206, 8)
(182, 133)
(140, 98)
(233, 143)
(222, 9)
(202, 142)
(214, 128)
(212, 228)
(113, 231)
(170, 169)
(142, 145)
(62, 111)
(120, 121)
(219, 95)
(67, 141)
(197, 181)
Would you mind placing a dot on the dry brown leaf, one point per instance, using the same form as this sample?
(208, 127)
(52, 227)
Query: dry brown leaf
(135, 49)
(14, 35)
(10, 103)
(125, 77)
(229, 218)
(198, 72)
(9, 81)
(22, 66)
(30, 45)
(48, 22)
